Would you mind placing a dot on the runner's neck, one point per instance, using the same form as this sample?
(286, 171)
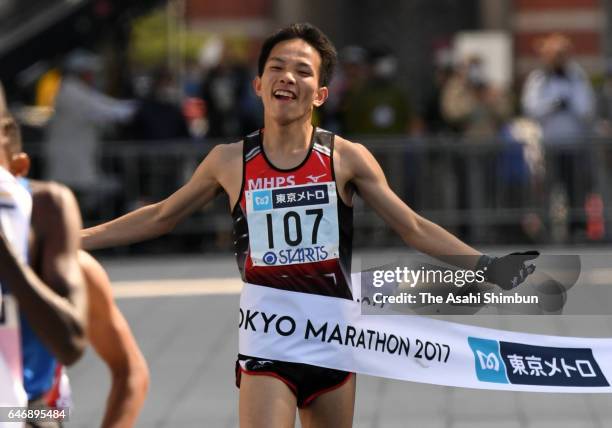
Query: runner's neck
(287, 140)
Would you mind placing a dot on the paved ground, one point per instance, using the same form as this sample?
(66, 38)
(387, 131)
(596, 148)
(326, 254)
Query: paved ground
(189, 339)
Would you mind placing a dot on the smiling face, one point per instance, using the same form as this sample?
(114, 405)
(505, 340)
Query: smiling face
(289, 85)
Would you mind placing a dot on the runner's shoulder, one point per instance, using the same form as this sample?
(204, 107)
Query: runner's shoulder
(98, 284)
(349, 154)
(54, 209)
(50, 196)
(344, 147)
(229, 152)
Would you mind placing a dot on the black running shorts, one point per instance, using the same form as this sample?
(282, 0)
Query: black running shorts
(305, 381)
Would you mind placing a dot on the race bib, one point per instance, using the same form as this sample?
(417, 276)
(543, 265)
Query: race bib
(293, 225)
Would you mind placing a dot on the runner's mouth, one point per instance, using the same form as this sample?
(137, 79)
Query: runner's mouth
(284, 95)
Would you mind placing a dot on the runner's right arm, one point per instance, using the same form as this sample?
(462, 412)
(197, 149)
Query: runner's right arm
(51, 294)
(160, 218)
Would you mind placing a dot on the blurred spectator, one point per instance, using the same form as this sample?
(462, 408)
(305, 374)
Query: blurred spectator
(558, 95)
(229, 98)
(477, 110)
(520, 170)
(74, 129)
(159, 116)
(192, 80)
(469, 102)
(195, 113)
(439, 170)
(345, 85)
(381, 106)
(604, 102)
(158, 119)
(433, 120)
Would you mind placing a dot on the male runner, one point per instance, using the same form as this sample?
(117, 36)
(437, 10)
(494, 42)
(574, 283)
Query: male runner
(51, 296)
(110, 336)
(300, 238)
(107, 330)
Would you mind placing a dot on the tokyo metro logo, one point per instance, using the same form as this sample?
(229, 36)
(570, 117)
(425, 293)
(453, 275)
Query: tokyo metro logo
(489, 363)
(262, 200)
(522, 364)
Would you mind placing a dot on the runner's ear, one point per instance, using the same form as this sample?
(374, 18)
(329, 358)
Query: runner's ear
(20, 164)
(320, 96)
(257, 85)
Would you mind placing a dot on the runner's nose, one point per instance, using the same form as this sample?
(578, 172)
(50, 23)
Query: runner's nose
(287, 77)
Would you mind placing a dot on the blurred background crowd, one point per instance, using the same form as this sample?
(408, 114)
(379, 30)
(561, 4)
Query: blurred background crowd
(492, 118)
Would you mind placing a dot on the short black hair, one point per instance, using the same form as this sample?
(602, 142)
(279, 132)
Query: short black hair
(311, 35)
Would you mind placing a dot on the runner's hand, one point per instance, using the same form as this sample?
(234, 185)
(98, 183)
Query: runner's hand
(509, 271)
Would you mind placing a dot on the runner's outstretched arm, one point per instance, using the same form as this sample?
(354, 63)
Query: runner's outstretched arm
(369, 180)
(112, 339)
(55, 302)
(363, 171)
(160, 218)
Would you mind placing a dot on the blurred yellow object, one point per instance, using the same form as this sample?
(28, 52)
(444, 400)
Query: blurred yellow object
(48, 87)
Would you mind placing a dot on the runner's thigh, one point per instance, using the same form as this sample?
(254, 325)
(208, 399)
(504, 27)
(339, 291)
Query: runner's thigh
(265, 402)
(331, 409)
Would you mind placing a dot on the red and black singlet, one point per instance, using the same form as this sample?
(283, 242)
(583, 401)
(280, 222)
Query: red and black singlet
(291, 229)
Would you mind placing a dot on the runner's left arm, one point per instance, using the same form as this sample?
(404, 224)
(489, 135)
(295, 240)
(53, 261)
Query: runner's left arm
(368, 178)
(425, 236)
(112, 339)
